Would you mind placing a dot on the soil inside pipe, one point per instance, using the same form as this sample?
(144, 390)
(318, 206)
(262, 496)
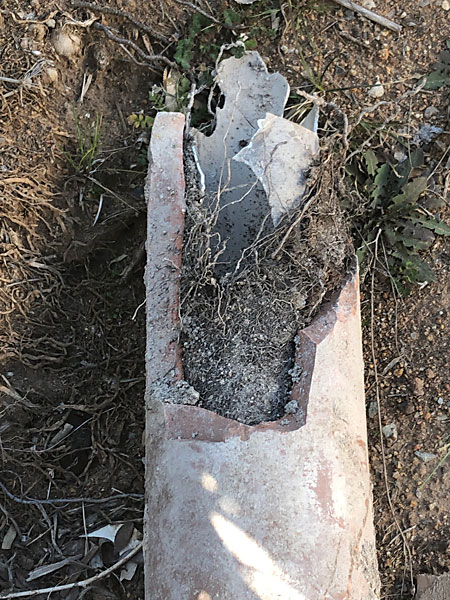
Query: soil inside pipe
(238, 330)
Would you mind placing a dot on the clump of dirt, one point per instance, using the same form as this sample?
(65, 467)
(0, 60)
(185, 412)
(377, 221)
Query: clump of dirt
(238, 329)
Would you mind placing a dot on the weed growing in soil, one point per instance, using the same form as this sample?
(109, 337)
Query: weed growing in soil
(440, 77)
(88, 137)
(395, 209)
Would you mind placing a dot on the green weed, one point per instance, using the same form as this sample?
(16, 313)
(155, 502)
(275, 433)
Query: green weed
(395, 212)
(88, 138)
(440, 77)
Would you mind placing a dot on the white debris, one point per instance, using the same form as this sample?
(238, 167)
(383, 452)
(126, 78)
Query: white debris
(66, 44)
(376, 91)
(280, 154)
(390, 431)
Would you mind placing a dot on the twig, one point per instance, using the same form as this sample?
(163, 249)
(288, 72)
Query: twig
(37, 501)
(197, 9)
(322, 103)
(138, 308)
(293, 225)
(138, 256)
(112, 10)
(10, 80)
(138, 62)
(77, 584)
(370, 15)
(148, 57)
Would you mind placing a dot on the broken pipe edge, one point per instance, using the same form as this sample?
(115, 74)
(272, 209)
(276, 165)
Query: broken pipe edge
(187, 422)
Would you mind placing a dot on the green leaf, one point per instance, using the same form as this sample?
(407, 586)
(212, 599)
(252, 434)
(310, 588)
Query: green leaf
(381, 181)
(414, 269)
(439, 227)
(231, 17)
(390, 235)
(360, 254)
(371, 161)
(414, 243)
(183, 55)
(410, 193)
(250, 44)
(415, 159)
(437, 79)
(440, 77)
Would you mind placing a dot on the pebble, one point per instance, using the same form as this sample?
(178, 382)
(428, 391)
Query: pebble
(418, 386)
(400, 156)
(66, 44)
(373, 410)
(291, 407)
(51, 75)
(376, 91)
(446, 5)
(369, 4)
(39, 30)
(390, 431)
(431, 111)
(425, 456)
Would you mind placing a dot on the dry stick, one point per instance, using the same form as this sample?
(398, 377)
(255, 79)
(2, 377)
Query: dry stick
(37, 501)
(77, 584)
(148, 57)
(111, 10)
(377, 395)
(293, 225)
(370, 15)
(197, 9)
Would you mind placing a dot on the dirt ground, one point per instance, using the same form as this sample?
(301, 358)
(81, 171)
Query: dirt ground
(72, 227)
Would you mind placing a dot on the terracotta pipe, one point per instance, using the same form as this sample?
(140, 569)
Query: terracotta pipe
(280, 510)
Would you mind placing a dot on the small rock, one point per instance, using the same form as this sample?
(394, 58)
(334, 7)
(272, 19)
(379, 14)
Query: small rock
(373, 410)
(338, 70)
(25, 43)
(430, 373)
(400, 156)
(426, 134)
(38, 30)
(440, 400)
(431, 111)
(446, 5)
(408, 408)
(390, 431)
(425, 456)
(50, 75)
(51, 23)
(376, 91)
(369, 4)
(418, 386)
(66, 44)
(291, 407)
